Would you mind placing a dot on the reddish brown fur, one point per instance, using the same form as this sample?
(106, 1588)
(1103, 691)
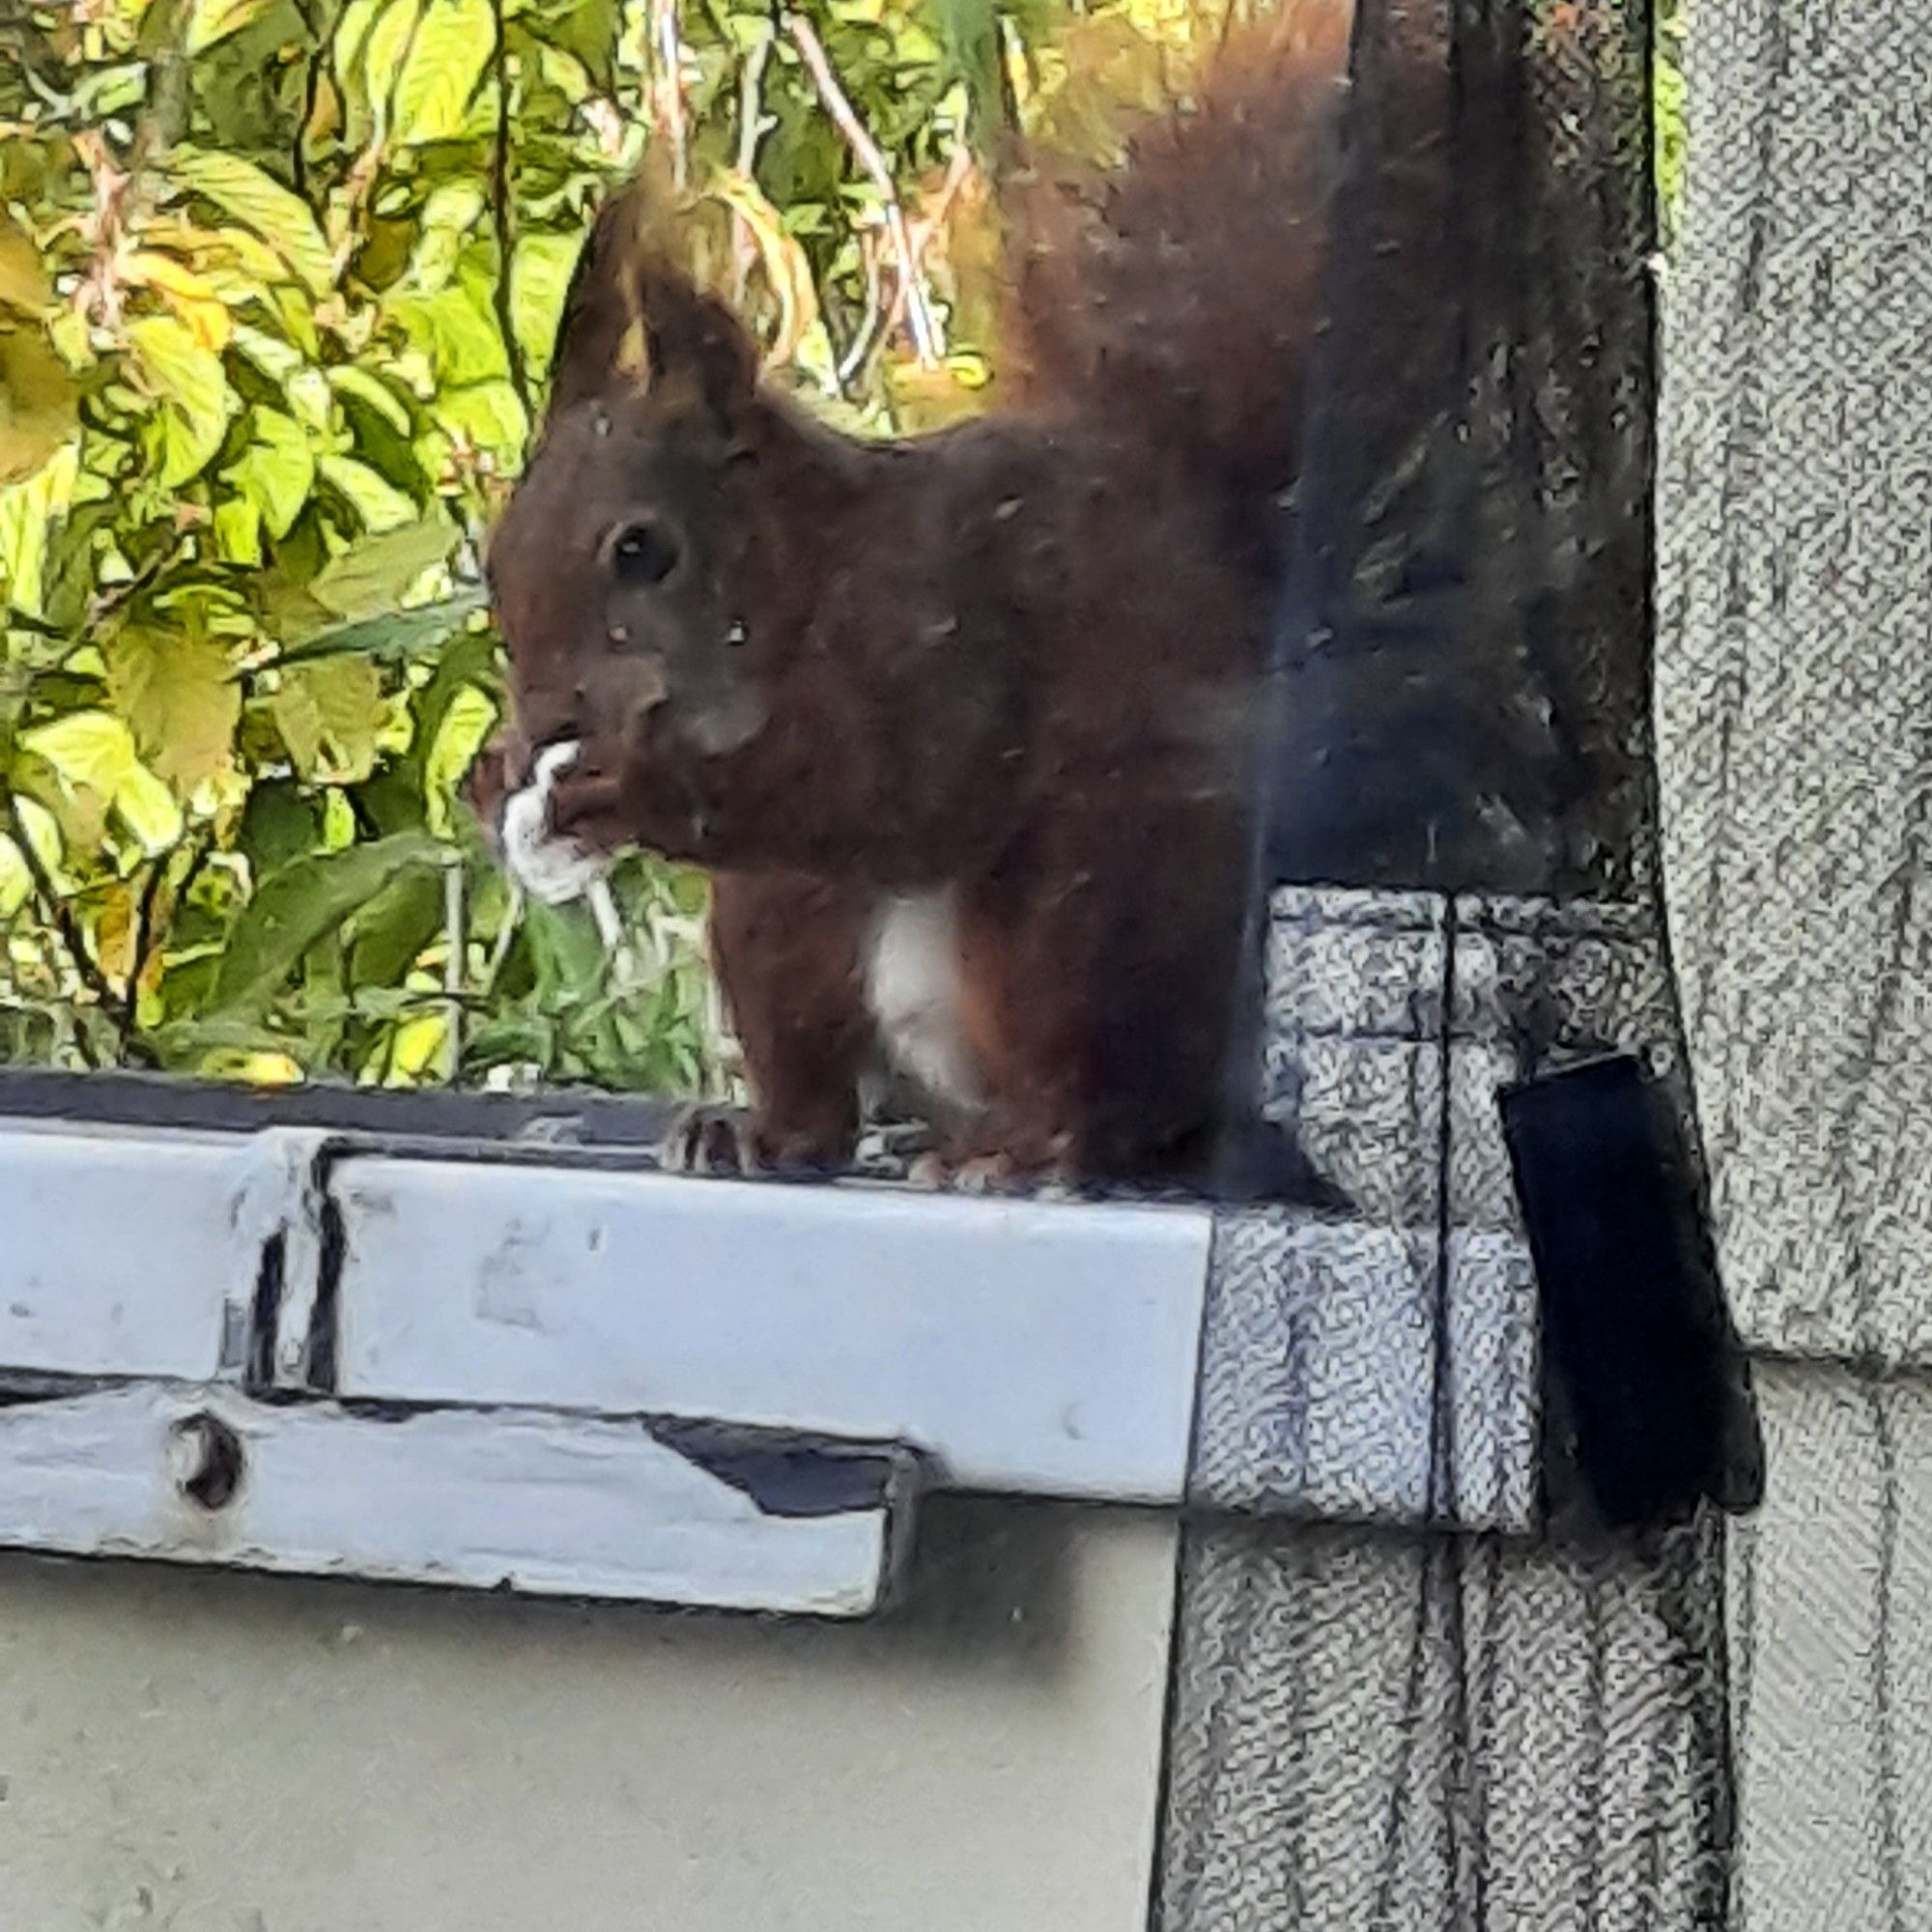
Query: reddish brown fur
(1014, 659)
(1176, 298)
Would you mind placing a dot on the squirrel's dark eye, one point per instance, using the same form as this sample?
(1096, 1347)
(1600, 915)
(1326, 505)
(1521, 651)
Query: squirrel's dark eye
(643, 554)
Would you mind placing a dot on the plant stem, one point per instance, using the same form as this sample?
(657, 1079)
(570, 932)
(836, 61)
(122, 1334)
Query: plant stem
(500, 179)
(918, 313)
(59, 914)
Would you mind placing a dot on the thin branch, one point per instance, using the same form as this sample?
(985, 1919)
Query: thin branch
(59, 914)
(503, 293)
(929, 223)
(120, 186)
(869, 323)
(168, 97)
(312, 78)
(751, 131)
(751, 102)
(147, 939)
(918, 313)
(456, 947)
(144, 927)
(667, 44)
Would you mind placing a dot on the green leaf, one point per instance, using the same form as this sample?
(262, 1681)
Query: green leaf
(352, 29)
(350, 378)
(311, 401)
(330, 715)
(376, 501)
(278, 360)
(280, 823)
(588, 30)
(449, 218)
(149, 810)
(277, 471)
(391, 28)
(42, 832)
(237, 530)
(566, 953)
(393, 637)
(16, 883)
(417, 1044)
(374, 575)
(970, 32)
(468, 662)
(390, 932)
(223, 1048)
(514, 1039)
(93, 751)
(543, 265)
(302, 903)
(464, 729)
(390, 799)
(191, 382)
(90, 749)
(38, 401)
(489, 414)
(456, 329)
(211, 21)
(178, 692)
(439, 85)
(30, 513)
(338, 821)
(260, 203)
(25, 282)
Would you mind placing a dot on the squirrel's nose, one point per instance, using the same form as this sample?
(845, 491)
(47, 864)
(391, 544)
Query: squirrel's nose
(647, 688)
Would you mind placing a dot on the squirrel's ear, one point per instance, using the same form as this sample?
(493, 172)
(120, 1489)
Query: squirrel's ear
(692, 340)
(631, 320)
(600, 310)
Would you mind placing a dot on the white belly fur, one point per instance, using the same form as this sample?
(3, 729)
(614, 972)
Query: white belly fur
(912, 985)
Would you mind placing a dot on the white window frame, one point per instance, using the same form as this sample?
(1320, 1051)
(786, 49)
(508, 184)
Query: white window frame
(553, 1370)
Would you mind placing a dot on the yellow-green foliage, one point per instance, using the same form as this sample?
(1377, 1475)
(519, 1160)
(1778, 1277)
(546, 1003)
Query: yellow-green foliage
(277, 283)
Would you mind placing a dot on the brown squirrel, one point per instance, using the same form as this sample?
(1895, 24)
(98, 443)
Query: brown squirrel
(957, 725)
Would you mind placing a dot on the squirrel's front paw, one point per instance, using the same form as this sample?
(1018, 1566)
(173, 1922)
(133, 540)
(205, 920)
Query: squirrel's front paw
(709, 1139)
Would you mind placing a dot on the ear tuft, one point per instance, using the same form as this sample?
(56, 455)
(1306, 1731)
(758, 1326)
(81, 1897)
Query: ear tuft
(692, 339)
(634, 319)
(600, 309)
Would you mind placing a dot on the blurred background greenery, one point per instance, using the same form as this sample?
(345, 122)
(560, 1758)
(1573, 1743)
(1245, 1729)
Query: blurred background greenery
(278, 281)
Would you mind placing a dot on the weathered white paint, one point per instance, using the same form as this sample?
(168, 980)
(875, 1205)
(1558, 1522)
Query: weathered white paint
(279, 1198)
(117, 1251)
(543, 1504)
(545, 1306)
(1029, 1347)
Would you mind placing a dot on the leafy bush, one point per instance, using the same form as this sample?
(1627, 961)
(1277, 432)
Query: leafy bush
(277, 282)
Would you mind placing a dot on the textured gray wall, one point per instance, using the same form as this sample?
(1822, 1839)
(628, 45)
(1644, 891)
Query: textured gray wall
(1795, 660)
(1795, 722)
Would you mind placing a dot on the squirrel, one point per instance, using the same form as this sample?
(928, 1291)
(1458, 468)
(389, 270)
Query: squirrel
(958, 724)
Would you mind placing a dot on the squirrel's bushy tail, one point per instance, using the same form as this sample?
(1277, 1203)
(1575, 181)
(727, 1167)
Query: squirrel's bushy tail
(1175, 301)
